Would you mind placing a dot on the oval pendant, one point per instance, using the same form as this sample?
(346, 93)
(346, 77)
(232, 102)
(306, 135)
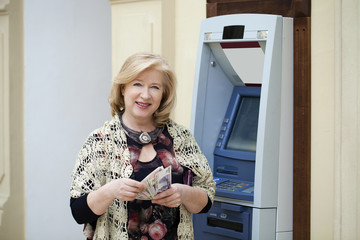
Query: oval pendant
(144, 138)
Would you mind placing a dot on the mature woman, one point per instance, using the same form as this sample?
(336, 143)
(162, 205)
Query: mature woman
(107, 178)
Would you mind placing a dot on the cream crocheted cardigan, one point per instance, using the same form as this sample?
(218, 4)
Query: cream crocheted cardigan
(105, 157)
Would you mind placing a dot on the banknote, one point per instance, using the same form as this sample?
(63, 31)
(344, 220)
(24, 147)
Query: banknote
(157, 181)
(150, 181)
(163, 180)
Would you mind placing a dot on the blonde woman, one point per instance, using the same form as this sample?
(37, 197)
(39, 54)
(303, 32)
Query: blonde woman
(107, 192)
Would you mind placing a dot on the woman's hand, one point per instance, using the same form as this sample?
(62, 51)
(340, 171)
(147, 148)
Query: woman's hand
(194, 199)
(171, 197)
(124, 189)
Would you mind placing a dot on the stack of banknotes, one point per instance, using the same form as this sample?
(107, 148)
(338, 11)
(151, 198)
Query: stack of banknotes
(156, 182)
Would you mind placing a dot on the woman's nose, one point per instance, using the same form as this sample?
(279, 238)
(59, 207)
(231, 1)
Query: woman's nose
(145, 93)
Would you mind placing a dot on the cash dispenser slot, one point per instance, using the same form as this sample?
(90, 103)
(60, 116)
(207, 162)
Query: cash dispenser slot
(227, 221)
(227, 170)
(232, 225)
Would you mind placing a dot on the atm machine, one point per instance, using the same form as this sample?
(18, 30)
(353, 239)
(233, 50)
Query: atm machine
(242, 118)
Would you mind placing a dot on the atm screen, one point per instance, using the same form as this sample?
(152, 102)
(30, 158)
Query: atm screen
(238, 133)
(244, 131)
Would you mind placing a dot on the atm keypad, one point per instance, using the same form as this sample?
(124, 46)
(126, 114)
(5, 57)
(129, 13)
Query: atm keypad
(231, 185)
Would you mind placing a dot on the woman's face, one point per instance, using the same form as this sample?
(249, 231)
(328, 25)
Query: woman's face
(143, 95)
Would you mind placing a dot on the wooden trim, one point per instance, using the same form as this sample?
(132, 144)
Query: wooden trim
(211, 10)
(285, 8)
(302, 128)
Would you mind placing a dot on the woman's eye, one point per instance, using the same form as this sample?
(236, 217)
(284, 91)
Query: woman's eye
(155, 87)
(137, 84)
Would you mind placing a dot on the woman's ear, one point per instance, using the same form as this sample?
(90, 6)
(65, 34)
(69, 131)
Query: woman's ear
(122, 89)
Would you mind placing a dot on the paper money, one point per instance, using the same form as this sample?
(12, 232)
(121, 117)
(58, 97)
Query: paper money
(157, 181)
(163, 180)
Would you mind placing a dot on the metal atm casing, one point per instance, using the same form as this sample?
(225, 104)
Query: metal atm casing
(269, 210)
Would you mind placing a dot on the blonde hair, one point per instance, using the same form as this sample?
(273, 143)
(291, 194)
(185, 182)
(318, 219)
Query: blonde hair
(131, 69)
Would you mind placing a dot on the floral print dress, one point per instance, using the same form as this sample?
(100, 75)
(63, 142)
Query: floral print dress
(148, 221)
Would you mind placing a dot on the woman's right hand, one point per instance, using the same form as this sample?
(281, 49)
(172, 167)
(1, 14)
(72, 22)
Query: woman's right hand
(124, 189)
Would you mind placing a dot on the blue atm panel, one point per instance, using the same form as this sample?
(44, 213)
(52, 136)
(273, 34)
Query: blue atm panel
(235, 150)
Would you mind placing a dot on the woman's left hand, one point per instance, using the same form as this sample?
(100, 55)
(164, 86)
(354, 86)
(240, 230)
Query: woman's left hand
(171, 197)
(193, 199)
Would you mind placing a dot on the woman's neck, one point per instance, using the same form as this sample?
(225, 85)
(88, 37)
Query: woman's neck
(138, 125)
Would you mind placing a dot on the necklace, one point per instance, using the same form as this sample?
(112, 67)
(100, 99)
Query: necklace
(141, 137)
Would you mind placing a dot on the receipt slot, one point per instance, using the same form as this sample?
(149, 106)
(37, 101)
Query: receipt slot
(242, 118)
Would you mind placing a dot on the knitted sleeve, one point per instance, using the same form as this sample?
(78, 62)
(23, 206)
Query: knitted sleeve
(189, 154)
(103, 158)
(88, 173)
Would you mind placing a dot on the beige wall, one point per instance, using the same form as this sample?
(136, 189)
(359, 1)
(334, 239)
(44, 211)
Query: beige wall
(322, 119)
(13, 224)
(4, 106)
(335, 136)
(188, 21)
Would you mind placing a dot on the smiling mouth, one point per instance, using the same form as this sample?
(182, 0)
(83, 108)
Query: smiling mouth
(143, 105)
